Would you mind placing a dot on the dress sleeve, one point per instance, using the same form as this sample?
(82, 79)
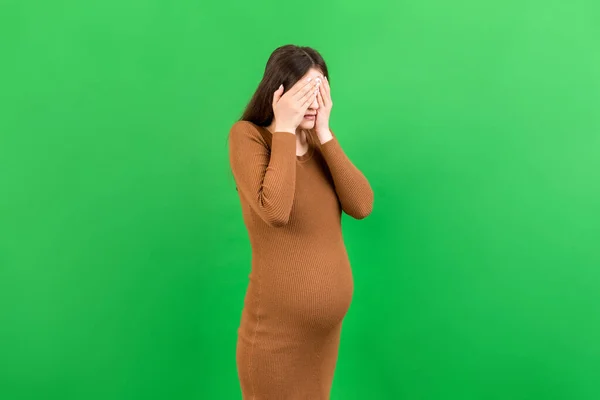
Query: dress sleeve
(265, 178)
(352, 188)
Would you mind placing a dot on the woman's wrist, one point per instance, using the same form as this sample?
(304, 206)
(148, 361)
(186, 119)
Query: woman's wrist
(324, 136)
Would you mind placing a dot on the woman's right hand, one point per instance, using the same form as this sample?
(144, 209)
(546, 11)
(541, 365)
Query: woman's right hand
(289, 108)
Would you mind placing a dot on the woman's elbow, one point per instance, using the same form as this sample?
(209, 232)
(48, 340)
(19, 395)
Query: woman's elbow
(361, 210)
(276, 220)
(361, 214)
(277, 223)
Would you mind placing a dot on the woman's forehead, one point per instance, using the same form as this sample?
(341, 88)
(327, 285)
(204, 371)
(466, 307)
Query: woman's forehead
(313, 73)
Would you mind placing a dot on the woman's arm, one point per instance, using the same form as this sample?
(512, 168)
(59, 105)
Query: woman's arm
(265, 179)
(353, 189)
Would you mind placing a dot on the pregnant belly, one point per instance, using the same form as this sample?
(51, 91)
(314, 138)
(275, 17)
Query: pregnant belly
(309, 294)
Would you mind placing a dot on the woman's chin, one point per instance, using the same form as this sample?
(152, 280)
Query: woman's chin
(307, 124)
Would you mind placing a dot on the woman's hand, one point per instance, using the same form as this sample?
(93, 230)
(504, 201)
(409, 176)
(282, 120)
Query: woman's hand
(324, 111)
(289, 108)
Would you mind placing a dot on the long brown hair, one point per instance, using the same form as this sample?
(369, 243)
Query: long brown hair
(286, 65)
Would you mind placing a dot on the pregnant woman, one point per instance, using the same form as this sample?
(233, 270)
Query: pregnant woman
(294, 181)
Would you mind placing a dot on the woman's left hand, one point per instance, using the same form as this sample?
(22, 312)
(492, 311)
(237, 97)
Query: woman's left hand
(324, 111)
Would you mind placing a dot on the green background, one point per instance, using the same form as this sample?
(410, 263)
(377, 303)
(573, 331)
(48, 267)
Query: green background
(123, 255)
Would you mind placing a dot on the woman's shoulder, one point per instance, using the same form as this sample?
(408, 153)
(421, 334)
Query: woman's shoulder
(247, 127)
(244, 127)
(241, 130)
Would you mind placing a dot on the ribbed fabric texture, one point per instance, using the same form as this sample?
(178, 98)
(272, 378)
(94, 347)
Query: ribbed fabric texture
(300, 284)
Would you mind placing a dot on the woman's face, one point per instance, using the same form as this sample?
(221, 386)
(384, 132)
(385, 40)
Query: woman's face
(311, 113)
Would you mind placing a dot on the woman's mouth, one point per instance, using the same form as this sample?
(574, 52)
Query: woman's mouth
(310, 117)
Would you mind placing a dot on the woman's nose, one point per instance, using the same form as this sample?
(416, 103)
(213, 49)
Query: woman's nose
(315, 104)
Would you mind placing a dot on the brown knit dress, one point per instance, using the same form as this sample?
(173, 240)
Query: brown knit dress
(300, 285)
